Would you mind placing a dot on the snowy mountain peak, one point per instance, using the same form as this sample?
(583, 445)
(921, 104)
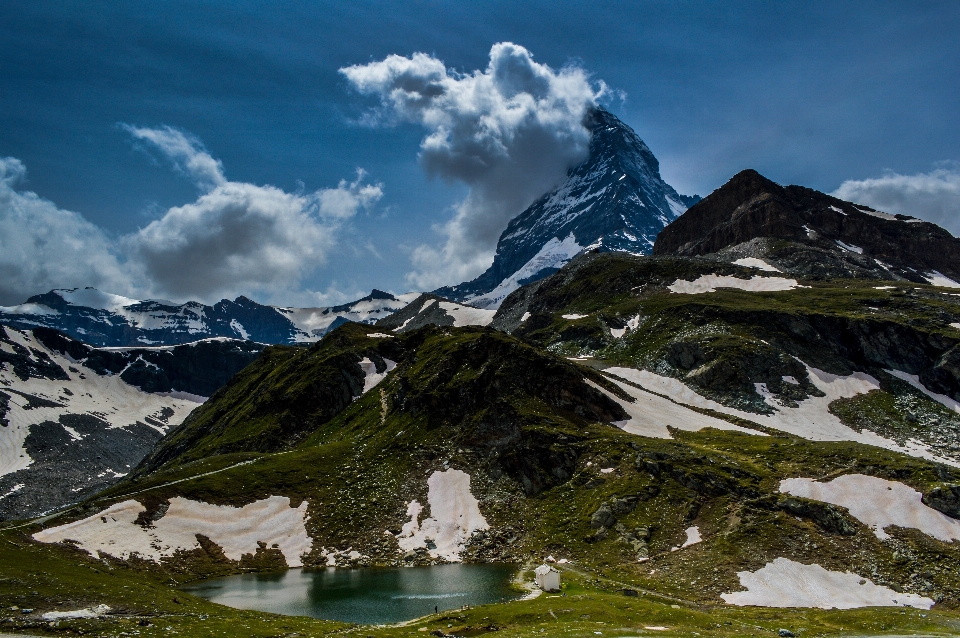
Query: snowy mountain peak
(615, 200)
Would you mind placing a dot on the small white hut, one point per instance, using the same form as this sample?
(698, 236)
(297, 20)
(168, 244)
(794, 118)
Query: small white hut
(547, 578)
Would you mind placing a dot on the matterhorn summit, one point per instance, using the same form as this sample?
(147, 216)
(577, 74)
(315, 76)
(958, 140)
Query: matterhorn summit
(613, 201)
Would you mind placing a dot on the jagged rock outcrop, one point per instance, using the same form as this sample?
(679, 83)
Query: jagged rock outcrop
(871, 243)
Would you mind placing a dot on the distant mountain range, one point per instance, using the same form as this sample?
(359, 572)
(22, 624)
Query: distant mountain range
(614, 201)
(103, 319)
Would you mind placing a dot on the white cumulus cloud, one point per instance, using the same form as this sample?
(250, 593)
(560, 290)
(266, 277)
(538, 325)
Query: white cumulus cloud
(238, 237)
(510, 132)
(933, 196)
(44, 247)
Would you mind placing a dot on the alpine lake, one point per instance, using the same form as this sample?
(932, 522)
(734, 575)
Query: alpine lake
(372, 596)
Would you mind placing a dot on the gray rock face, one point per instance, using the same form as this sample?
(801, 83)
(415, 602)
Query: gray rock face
(945, 498)
(603, 517)
(828, 237)
(74, 419)
(615, 200)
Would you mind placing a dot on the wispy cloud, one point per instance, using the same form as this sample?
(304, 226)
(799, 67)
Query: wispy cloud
(933, 196)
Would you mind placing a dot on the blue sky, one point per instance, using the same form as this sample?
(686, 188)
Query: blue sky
(814, 93)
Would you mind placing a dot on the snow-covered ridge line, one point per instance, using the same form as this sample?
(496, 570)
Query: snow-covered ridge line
(104, 319)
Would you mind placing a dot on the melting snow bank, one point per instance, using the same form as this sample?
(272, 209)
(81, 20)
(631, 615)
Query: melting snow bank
(454, 517)
(753, 262)
(811, 419)
(914, 380)
(467, 315)
(878, 503)
(937, 278)
(650, 415)
(87, 612)
(785, 583)
(693, 536)
(371, 376)
(237, 530)
(709, 283)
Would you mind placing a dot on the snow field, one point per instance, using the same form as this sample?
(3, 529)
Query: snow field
(710, 283)
(939, 279)
(877, 503)
(454, 516)
(467, 316)
(632, 325)
(811, 420)
(371, 376)
(753, 262)
(786, 583)
(235, 529)
(650, 415)
(107, 397)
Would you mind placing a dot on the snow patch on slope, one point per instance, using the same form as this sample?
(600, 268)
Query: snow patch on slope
(371, 376)
(466, 315)
(554, 255)
(753, 262)
(237, 530)
(877, 503)
(651, 415)
(786, 583)
(454, 517)
(710, 283)
(811, 419)
(938, 279)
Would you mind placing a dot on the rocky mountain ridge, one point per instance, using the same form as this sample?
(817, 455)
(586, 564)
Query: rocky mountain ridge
(103, 319)
(828, 237)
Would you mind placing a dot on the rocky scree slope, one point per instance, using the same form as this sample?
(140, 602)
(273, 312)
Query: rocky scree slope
(806, 232)
(73, 418)
(103, 319)
(615, 200)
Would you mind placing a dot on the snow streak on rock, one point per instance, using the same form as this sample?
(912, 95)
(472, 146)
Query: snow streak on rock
(811, 419)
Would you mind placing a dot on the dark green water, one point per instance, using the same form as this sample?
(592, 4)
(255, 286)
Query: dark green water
(369, 596)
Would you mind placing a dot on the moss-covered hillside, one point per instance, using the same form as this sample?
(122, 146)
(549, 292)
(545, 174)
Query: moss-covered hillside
(358, 425)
